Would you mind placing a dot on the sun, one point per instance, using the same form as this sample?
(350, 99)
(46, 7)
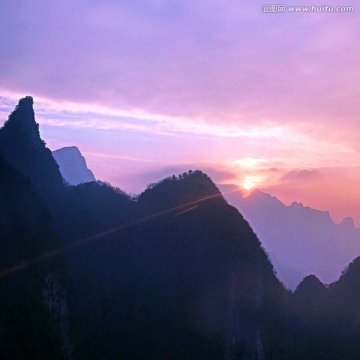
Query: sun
(249, 183)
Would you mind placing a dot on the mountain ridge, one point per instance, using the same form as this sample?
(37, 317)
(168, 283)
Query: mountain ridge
(299, 239)
(174, 273)
(205, 266)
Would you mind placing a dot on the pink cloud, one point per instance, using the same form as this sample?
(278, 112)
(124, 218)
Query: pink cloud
(196, 82)
(223, 63)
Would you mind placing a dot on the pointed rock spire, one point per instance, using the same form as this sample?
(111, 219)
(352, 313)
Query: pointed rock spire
(22, 146)
(21, 122)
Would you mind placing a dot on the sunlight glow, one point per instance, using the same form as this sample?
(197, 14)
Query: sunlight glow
(250, 182)
(248, 185)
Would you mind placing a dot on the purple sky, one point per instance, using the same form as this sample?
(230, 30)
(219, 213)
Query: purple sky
(150, 88)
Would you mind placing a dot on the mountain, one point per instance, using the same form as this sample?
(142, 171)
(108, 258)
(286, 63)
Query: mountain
(177, 266)
(174, 273)
(185, 279)
(31, 306)
(310, 287)
(344, 311)
(299, 240)
(73, 165)
(22, 147)
(325, 319)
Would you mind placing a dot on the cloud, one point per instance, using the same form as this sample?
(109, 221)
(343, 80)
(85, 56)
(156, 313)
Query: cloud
(218, 62)
(78, 115)
(302, 174)
(199, 82)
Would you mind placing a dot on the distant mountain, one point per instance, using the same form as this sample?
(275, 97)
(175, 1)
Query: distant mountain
(300, 240)
(73, 165)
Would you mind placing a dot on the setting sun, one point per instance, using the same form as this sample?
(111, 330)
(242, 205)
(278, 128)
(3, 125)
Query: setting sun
(249, 183)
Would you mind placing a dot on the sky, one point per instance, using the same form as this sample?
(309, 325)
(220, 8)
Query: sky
(151, 88)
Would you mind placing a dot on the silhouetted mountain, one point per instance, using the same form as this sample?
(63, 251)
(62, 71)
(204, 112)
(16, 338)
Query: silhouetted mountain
(188, 280)
(175, 273)
(22, 147)
(346, 292)
(310, 287)
(73, 165)
(300, 240)
(344, 310)
(29, 289)
(326, 320)
(181, 270)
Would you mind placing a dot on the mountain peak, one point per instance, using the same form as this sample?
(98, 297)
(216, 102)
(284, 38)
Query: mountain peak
(264, 200)
(73, 149)
(310, 285)
(22, 146)
(26, 101)
(192, 178)
(73, 165)
(24, 106)
(348, 223)
(189, 187)
(21, 121)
